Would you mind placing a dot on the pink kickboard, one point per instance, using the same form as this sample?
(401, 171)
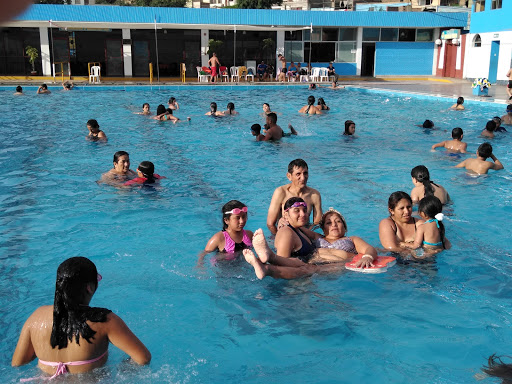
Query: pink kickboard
(379, 266)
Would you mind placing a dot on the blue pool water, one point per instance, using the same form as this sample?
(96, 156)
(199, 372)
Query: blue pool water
(422, 323)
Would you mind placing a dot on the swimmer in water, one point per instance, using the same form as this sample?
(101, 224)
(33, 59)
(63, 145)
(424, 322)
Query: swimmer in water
(145, 110)
(233, 238)
(489, 129)
(95, 134)
(68, 85)
(230, 110)
(70, 335)
(256, 131)
(312, 86)
(19, 90)
(213, 111)
(43, 90)
(480, 165)
(454, 145)
(427, 124)
(458, 106)
(431, 233)
(173, 104)
(121, 171)
(266, 109)
(321, 104)
(499, 128)
(310, 109)
(424, 187)
(145, 175)
(507, 118)
(334, 85)
(350, 128)
(164, 114)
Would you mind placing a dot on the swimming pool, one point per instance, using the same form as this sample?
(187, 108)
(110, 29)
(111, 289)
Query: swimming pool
(432, 322)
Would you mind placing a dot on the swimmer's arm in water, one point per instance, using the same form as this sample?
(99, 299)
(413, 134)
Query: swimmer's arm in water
(316, 200)
(464, 148)
(24, 352)
(441, 144)
(123, 338)
(284, 242)
(274, 211)
(462, 164)
(268, 135)
(387, 236)
(215, 243)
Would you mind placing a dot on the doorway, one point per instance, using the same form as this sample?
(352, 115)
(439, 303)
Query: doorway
(114, 57)
(368, 59)
(493, 63)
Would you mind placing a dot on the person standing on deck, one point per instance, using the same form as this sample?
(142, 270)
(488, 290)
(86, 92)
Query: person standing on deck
(214, 63)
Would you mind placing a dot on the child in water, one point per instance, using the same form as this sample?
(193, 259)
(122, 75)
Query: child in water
(430, 234)
(233, 237)
(145, 175)
(454, 145)
(458, 106)
(256, 131)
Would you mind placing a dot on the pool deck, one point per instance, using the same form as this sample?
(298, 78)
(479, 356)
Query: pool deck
(432, 86)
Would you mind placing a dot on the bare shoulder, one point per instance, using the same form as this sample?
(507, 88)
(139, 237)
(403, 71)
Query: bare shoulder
(313, 192)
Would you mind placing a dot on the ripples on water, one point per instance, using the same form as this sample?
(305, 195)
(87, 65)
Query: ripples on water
(435, 322)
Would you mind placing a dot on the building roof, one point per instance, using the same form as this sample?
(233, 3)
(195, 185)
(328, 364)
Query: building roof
(126, 16)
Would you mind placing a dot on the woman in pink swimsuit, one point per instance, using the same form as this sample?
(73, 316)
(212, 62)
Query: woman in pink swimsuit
(233, 237)
(71, 336)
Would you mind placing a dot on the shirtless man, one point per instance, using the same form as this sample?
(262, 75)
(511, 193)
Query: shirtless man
(507, 119)
(480, 165)
(43, 90)
(68, 85)
(298, 175)
(455, 144)
(489, 129)
(214, 63)
(282, 75)
(509, 86)
(274, 131)
(19, 90)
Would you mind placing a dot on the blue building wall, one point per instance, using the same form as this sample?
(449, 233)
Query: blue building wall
(492, 20)
(414, 58)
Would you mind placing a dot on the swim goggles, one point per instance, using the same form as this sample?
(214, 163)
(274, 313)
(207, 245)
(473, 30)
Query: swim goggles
(297, 204)
(236, 211)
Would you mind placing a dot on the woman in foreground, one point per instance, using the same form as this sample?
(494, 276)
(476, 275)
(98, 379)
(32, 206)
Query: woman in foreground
(71, 336)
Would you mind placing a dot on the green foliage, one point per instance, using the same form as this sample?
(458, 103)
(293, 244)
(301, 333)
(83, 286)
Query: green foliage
(169, 3)
(32, 54)
(215, 46)
(146, 3)
(257, 4)
(52, 1)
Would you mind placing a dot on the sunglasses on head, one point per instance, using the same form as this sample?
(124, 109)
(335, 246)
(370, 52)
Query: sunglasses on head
(236, 211)
(297, 204)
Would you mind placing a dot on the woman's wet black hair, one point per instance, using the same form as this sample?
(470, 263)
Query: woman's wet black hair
(497, 368)
(229, 206)
(321, 101)
(421, 174)
(460, 100)
(19, 89)
(231, 108)
(256, 128)
(213, 106)
(348, 123)
(312, 86)
(395, 198)
(160, 110)
(70, 309)
(118, 154)
(311, 100)
(171, 100)
(93, 124)
(457, 133)
(428, 124)
(147, 168)
(291, 201)
(430, 206)
(267, 104)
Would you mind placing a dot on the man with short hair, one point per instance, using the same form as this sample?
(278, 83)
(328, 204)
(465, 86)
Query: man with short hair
(507, 119)
(298, 174)
(480, 165)
(214, 63)
(274, 131)
(454, 145)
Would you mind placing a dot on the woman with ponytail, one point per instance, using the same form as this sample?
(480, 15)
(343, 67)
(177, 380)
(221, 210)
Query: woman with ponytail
(71, 336)
(146, 175)
(423, 187)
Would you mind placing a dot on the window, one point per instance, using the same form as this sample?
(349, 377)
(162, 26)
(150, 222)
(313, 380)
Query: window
(348, 34)
(293, 51)
(293, 35)
(406, 34)
(346, 52)
(477, 41)
(389, 34)
(424, 35)
(496, 4)
(479, 5)
(320, 52)
(329, 34)
(315, 36)
(371, 34)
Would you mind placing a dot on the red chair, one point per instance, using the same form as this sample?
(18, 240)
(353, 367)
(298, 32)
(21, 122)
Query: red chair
(224, 73)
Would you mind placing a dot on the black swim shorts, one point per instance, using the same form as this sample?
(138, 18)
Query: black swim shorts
(509, 84)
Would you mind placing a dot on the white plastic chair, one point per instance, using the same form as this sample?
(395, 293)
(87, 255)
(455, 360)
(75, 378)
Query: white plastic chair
(250, 73)
(225, 76)
(304, 78)
(201, 77)
(95, 75)
(315, 74)
(324, 75)
(234, 74)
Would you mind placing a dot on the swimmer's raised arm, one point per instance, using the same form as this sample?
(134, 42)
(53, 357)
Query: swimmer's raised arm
(497, 164)
(274, 210)
(123, 338)
(24, 352)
